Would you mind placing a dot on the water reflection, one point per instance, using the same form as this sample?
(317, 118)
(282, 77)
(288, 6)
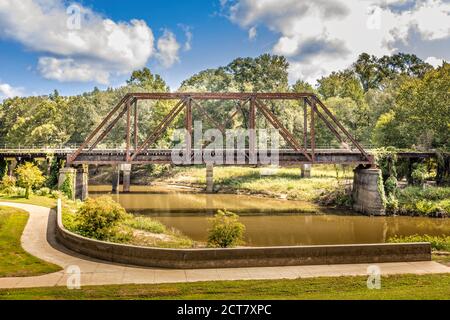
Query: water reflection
(276, 230)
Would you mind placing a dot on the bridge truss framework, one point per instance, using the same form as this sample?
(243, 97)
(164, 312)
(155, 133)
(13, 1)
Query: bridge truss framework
(249, 103)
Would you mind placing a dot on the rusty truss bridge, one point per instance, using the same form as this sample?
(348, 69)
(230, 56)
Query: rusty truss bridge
(247, 105)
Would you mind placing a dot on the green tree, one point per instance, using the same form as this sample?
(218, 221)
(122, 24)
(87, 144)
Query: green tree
(144, 79)
(29, 176)
(420, 116)
(373, 71)
(342, 84)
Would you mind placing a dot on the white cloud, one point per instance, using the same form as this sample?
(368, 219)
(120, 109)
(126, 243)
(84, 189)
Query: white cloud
(66, 70)
(188, 35)
(7, 91)
(435, 62)
(168, 49)
(325, 35)
(252, 33)
(99, 48)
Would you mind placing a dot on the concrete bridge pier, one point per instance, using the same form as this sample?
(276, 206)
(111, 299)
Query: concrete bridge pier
(12, 164)
(209, 178)
(124, 171)
(82, 182)
(305, 171)
(126, 168)
(115, 179)
(368, 191)
(78, 181)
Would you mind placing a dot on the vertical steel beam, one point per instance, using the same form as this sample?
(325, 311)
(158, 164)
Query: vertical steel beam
(313, 132)
(305, 125)
(136, 129)
(188, 126)
(128, 131)
(252, 132)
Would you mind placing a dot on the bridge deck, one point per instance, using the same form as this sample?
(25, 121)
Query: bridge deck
(164, 156)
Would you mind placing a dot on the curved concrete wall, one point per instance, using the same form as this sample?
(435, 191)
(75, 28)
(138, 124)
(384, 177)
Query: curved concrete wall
(240, 257)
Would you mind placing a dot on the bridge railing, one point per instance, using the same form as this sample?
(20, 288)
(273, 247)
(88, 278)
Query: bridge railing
(66, 147)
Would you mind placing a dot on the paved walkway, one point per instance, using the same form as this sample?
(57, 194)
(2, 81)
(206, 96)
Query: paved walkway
(38, 239)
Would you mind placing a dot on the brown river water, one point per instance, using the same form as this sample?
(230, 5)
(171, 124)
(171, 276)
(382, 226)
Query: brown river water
(269, 222)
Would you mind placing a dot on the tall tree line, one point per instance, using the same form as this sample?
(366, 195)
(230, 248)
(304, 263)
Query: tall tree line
(396, 100)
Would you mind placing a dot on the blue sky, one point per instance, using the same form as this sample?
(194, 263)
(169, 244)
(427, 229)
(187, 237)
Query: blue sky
(40, 52)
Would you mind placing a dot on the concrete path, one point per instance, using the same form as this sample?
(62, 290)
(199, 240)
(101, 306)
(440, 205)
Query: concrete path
(38, 239)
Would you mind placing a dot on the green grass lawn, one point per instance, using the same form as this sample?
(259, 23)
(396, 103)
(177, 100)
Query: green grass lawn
(14, 261)
(34, 200)
(392, 287)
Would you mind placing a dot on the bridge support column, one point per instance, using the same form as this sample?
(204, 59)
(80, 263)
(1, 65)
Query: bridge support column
(69, 175)
(368, 193)
(126, 177)
(81, 185)
(115, 178)
(209, 178)
(12, 163)
(305, 171)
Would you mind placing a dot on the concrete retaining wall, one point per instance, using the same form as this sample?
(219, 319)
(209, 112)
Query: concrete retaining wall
(240, 257)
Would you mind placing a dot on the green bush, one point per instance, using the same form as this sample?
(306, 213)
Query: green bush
(67, 186)
(419, 174)
(45, 191)
(338, 196)
(20, 192)
(226, 230)
(392, 205)
(441, 243)
(390, 186)
(8, 185)
(99, 218)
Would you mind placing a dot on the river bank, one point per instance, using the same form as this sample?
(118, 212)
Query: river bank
(328, 187)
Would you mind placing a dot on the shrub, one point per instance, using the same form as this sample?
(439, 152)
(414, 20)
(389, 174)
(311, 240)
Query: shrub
(56, 194)
(67, 186)
(29, 176)
(20, 192)
(339, 196)
(99, 218)
(390, 186)
(420, 174)
(392, 204)
(44, 191)
(8, 185)
(437, 242)
(226, 230)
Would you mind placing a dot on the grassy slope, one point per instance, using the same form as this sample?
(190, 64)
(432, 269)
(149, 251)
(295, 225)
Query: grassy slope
(393, 287)
(285, 181)
(14, 261)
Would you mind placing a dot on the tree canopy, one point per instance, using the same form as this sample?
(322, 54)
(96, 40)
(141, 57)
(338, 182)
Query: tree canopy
(396, 100)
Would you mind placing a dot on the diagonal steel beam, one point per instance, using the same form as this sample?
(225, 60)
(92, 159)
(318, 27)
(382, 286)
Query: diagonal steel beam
(347, 134)
(325, 120)
(160, 128)
(110, 126)
(204, 113)
(73, 156)
(283, 131)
